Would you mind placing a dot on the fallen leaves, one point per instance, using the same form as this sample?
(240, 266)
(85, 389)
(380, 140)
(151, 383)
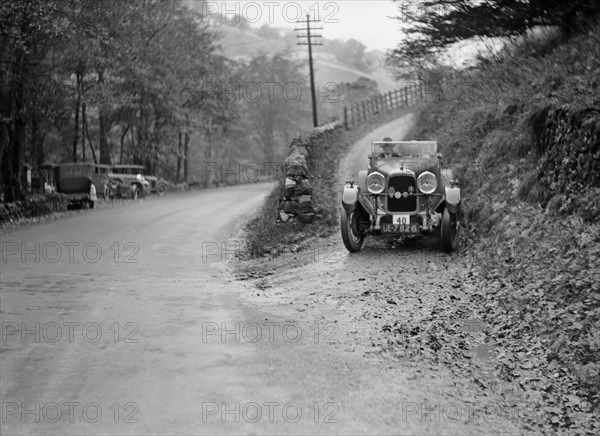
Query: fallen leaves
(542, 309)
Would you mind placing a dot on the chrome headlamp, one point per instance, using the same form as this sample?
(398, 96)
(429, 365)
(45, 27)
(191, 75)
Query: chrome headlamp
(375, 183)
(427, 183)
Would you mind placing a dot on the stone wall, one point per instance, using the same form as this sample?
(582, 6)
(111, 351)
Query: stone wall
(312, 159)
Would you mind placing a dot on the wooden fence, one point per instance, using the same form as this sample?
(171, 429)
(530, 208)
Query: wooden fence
(406, 96)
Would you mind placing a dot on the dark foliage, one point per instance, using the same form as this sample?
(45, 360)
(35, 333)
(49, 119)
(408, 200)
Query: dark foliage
(33, 207)
(437, 24)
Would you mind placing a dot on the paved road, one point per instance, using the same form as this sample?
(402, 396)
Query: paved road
(104, 312)
(126, 321)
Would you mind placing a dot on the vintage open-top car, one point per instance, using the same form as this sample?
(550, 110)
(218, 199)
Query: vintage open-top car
(403, 192)
(127, 181)
(131, 181)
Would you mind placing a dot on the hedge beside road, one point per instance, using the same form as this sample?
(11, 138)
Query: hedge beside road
(36, 206)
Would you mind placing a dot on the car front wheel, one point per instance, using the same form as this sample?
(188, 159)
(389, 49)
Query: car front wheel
(351, 236)
(450, 231)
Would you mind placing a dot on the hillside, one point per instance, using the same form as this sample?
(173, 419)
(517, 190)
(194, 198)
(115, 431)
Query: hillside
(241, 41)
(524, 132)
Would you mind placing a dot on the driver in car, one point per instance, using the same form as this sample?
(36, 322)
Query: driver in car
(388, 149)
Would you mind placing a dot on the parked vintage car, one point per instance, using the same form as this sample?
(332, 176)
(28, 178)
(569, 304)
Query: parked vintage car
(404, 191)
(75, 180)
(157, 186)
(130, 182)
(134, 182)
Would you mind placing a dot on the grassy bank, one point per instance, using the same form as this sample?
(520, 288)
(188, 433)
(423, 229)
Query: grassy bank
(527, 152)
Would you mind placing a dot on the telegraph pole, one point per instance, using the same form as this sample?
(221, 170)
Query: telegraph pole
(309, 42)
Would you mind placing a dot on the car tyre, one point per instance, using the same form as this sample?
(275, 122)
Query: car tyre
(450, 233)
(161, 189)
(353, 239)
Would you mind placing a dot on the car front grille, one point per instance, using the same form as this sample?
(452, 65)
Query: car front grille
(401, 184)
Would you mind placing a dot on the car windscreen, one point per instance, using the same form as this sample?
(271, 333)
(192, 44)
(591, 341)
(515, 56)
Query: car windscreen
(405, 148)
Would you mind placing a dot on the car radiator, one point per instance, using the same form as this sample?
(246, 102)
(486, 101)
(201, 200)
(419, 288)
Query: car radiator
(404, 203)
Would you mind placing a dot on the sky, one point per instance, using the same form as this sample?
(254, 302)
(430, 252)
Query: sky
(366, 21)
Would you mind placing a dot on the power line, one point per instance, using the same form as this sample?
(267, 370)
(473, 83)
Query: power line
(310, 43)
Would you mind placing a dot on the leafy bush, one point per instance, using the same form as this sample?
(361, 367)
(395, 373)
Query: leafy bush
(35, 206)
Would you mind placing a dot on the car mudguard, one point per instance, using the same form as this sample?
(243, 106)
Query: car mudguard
(367, 204)
(93, 196)
(362, 181)
(453, 199)
(350, 198)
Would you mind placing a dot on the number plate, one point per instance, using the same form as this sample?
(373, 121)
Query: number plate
(396, 228)
(400, 219)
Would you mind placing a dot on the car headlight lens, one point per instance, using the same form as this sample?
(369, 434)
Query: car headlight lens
(427, 183)
(375, 183)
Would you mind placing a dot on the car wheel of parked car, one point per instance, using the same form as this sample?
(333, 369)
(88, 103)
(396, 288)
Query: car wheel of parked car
(351, 236)
(449, 231)
(161, 189)
(135, 192)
